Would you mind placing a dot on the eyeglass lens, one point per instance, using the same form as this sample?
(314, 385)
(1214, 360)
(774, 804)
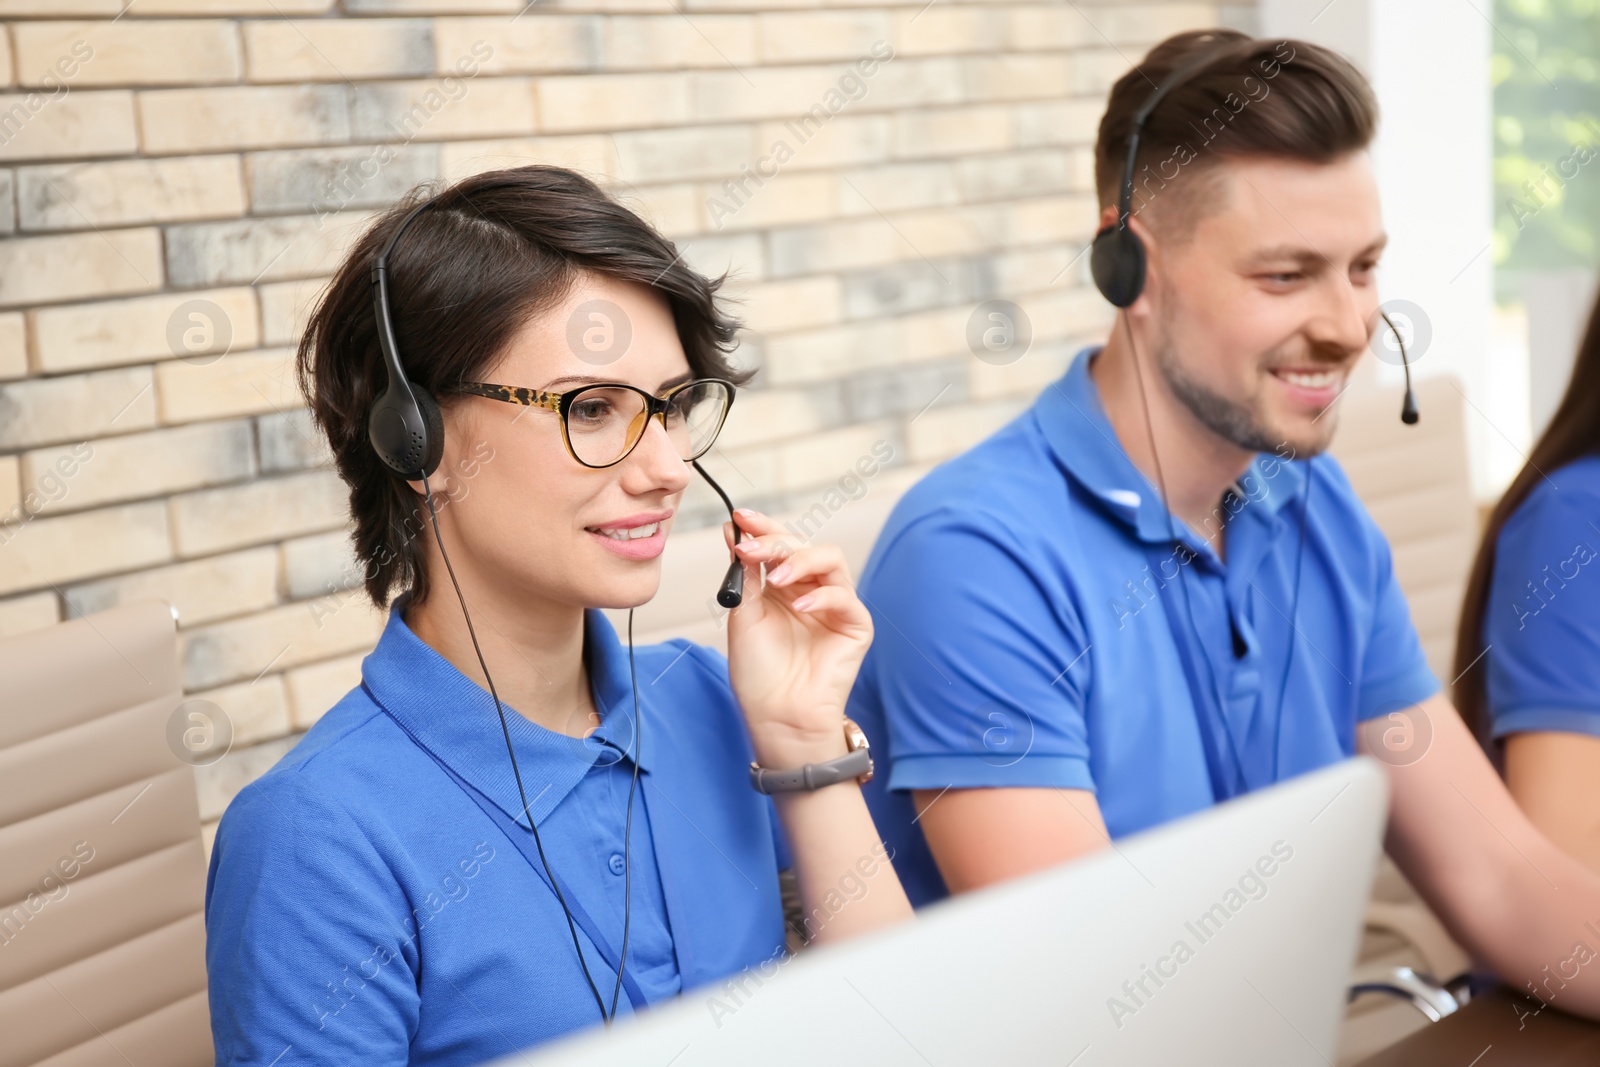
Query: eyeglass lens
(604, 422)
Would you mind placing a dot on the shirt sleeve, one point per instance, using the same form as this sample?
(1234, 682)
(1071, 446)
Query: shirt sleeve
(1394, 669)
(1542, 622)
(978, 667)
(310, 941)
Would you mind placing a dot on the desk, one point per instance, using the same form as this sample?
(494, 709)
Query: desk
(1486, 1033)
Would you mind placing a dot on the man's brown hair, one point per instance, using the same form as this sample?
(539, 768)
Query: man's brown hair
(1286, 99)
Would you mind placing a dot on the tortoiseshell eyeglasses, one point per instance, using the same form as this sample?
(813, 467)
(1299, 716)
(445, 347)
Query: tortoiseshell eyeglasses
(602, 424)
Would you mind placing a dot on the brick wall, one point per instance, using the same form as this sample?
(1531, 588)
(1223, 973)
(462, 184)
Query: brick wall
(177, 181)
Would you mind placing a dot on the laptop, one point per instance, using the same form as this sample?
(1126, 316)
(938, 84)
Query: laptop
(1226, 937)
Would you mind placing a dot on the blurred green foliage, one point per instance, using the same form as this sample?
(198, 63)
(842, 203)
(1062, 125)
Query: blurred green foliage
(1545, 70)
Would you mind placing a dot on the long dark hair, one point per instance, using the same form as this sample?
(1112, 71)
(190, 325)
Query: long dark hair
(493, 250)
(1574, 432)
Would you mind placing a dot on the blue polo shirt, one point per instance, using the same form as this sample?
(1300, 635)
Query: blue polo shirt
(369, 900)
(1542, 622)
(1031, 630)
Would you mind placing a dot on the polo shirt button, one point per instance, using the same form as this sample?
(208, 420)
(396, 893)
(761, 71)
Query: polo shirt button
(617, 866)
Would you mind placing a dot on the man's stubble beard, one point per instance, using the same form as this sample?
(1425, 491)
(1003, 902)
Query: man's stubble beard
(1229, 419)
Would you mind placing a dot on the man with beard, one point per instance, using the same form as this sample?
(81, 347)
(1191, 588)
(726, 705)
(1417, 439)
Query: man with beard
(1153, 591)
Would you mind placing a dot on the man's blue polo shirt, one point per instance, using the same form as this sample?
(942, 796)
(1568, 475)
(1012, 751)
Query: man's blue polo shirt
(1031, 630)
(370, 902)
(1542, 622)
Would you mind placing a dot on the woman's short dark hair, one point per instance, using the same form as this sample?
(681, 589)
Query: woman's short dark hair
(1256, 97)
(491, 252)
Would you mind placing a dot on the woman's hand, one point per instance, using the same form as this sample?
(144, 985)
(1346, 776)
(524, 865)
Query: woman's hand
(795, 644)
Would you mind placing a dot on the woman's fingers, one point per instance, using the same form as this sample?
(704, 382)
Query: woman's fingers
(823, 564)
(836, 606)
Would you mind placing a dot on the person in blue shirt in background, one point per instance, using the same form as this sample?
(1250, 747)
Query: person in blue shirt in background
(1528, 649)
(1153, 590)
(380, 896)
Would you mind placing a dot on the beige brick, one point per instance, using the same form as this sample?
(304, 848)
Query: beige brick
(129, 192)
(595, 156)
(235, 7)
(285, 307)
(216, 784)
(807, 36)
(739, 255)
(952, 131)
(250, 251)
(436, 7)
(612, 101)
(541, 44)
(174, 121)
(945, 232)
(139, 465)
(946, 432)
(1149, 23)
(868, 242)
(941, 30)
(914, 83)
(1039, 366)
(1025, 77)
(69, 124)
(845, 140)
(765, 416)
(322, 565)
(277, 639)
(194, 325)
(703, 42)
(694, 152)
(1058, 122)
(782, 201)
(1049, 219)
(441, 109)
(316, 688)
(256, 710)
(278, 50)
(13, 346)
(268, 509)
(674, 210)
(245, 383)
(41, 411)
(1052, 27)
(777, 307)
(822, 458)
(58, 8)
(832, 352)
(41, 270)
(897, 187)
(10, 488)
(31, 611)
(762, 93)
(40, 552)
(8, 75)
(128, 52)
(203, 591)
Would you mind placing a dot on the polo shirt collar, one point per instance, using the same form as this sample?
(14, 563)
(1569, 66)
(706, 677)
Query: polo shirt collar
(453, 717)
(1079, 433)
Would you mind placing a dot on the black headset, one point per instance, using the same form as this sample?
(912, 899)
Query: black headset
(1118, 264)
(406, 430)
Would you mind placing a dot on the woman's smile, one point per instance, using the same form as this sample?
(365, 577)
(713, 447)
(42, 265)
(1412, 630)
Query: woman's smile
(641, 536)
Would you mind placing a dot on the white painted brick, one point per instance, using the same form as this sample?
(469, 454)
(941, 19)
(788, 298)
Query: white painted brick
(203, 590)
(256, 710)
(197, 326)
(213, 520)
(138, 465)
(13, 346)
(244, 383)
(593, 155)
(55, 550)
(540, 44)
(316, 688)
(278, 638)
(41, 411)
(127, 52)
(41, 270)
(68, 124)
(129, 192)
(175, 121)
(31, 611)
(280, 50)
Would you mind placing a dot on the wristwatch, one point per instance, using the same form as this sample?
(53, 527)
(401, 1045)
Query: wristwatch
(857, 764)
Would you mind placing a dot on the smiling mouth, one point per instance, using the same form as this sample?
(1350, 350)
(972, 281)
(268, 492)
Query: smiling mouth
(627, 533)
(1325, 379)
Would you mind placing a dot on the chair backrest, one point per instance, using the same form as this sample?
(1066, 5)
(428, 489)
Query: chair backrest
(102, 873)
(1416, 482)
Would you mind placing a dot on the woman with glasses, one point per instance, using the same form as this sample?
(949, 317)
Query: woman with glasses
(518, 824)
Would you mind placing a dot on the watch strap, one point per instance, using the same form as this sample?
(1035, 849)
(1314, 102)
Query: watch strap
(812, 775)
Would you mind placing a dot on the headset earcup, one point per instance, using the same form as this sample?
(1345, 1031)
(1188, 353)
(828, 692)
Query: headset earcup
(433, 430)
(1118, 264)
